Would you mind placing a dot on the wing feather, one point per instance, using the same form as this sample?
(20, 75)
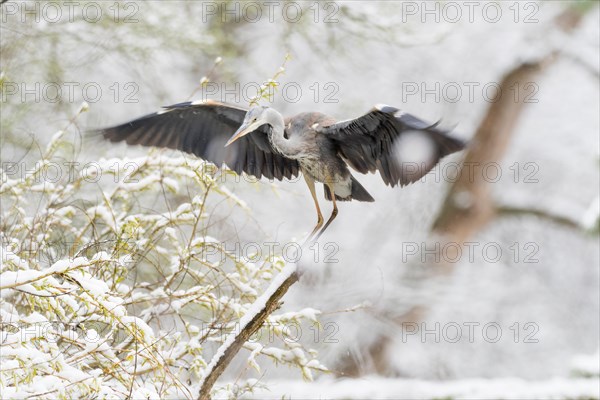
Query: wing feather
(372, 143)
(202, 129)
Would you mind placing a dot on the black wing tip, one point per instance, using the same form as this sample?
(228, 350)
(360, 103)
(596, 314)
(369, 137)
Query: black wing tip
(445, 137)
(111, 134)
(106, 133)
(95, 136)
(453, 143)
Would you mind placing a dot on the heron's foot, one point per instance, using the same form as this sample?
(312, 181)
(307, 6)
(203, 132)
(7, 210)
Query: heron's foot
(318, 235)
(334, 214)
(309, 238)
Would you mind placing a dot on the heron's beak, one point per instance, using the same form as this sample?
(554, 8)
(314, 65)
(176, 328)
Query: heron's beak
(244, 130)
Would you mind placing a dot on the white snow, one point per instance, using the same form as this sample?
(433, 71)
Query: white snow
(381, 388)
(586, 365)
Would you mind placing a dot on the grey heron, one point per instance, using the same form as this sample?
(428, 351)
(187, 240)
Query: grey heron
(260, 142)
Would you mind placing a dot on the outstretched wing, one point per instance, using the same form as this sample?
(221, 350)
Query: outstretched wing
(203, 128)
(400, 146)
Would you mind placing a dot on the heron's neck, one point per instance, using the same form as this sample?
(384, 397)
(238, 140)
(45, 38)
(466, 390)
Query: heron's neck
(276, 136)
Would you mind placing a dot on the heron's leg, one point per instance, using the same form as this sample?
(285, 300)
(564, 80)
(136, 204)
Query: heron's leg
(334, 213)
(311, 186)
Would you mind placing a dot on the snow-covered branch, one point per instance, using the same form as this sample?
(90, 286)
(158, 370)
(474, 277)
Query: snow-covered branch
(254, 318)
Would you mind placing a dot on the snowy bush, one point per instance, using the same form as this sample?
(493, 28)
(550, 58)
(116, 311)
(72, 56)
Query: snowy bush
(103, 297)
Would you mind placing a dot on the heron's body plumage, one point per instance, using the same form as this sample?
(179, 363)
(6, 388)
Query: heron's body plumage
(263, 143)
(320, 159)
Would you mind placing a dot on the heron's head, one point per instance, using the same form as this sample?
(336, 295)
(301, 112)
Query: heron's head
(255, 118)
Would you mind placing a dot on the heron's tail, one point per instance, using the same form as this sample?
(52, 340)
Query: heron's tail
(357, 192)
